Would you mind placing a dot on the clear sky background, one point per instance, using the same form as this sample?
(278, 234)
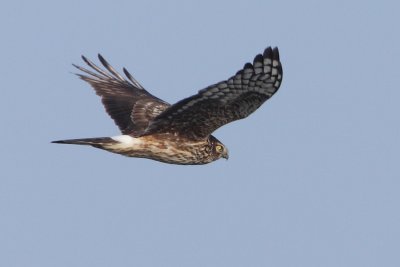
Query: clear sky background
(313, 177)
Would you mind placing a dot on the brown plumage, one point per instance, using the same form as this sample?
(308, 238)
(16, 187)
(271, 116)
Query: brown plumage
(179, 133)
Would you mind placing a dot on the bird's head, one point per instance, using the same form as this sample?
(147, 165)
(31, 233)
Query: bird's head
(218, 149)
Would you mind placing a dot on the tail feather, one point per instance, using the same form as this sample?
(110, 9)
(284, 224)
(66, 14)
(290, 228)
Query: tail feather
(98, 142)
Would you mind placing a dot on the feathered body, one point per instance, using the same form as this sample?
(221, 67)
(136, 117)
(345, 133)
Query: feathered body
(179, 133)
(166, 148)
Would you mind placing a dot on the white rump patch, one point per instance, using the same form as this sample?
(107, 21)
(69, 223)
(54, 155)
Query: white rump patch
(127, 139)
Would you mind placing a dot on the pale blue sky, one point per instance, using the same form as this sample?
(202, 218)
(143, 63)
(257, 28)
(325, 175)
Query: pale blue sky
(313, 177)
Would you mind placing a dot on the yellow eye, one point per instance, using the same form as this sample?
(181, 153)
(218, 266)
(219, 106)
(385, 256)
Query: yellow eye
(219, 148)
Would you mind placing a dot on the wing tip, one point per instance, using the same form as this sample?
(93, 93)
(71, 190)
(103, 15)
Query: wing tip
(85, 59)
(248, 65)
(103, 61)
(275, 53)
(267, 52)
(271, 53)
(258, 58)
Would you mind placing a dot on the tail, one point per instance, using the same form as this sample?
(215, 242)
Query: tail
(98, 142)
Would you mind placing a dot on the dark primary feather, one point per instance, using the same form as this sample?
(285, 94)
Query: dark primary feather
(196, 117)
(126, 101)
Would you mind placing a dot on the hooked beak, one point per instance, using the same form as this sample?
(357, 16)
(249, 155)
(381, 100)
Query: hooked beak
(225, 155)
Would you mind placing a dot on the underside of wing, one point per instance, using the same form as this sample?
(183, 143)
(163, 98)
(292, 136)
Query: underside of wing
(196, 117)
(125, 100)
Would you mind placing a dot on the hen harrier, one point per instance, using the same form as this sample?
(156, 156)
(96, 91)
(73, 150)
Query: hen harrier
(180, 133)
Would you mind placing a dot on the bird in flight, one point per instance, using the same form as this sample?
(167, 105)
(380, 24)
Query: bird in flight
(179, 133)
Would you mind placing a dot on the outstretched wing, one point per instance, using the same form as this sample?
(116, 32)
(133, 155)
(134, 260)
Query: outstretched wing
(126, 101)
(198, 116)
